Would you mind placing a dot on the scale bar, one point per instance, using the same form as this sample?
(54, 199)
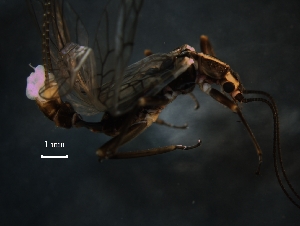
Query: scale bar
(54, 157)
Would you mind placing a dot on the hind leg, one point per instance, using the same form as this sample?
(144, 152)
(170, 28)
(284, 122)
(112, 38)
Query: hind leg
(110, 149)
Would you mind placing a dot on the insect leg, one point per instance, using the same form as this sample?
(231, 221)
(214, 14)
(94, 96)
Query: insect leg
(159, 101)
(162, 122)
(109, 149)
(153, 101)
(195, 100)
(206, 46)
(96, 127)
(153, 151)
(221, 98)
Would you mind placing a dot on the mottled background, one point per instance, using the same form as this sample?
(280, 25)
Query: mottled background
(210, 185)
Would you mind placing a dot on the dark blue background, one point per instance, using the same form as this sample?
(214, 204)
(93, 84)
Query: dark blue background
(210, 185)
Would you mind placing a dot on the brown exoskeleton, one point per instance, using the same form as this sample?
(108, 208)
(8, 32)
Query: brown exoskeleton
(74, 81)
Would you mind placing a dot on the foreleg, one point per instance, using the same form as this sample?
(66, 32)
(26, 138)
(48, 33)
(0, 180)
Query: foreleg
(221, 98)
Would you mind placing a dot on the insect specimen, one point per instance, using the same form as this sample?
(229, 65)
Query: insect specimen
(78, 80)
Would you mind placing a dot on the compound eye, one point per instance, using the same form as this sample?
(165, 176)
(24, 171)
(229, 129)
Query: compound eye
(228, 87)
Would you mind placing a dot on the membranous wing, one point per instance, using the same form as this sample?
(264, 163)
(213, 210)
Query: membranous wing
(68, 62)
(121, 86)
(143, 78)
(113, 47)
(66, 54)
(102, 83)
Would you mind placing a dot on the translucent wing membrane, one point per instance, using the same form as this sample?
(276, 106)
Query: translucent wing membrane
(66, 55)
(113, 46)
(101, 83)
(144, 78)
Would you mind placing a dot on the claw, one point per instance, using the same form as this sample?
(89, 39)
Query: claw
(189, 147)
(259, 164)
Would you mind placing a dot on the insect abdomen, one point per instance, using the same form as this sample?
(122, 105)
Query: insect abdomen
(59, 112)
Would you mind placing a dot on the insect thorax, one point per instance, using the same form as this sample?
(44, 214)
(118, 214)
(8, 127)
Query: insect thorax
(184, 83)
